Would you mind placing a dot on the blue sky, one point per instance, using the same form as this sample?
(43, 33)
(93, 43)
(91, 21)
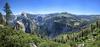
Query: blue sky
(79, 7)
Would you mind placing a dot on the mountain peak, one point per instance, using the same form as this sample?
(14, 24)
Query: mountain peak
(24, 14)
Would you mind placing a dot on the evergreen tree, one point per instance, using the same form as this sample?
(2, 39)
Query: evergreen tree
(1, 18)
(97, 24)
(8, 12)
(92, 27)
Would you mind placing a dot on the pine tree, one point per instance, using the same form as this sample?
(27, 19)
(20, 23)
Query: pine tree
(7, 11)
(97, 24)
(91, 27)
(1, 18)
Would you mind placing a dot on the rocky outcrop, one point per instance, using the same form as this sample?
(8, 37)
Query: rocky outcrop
(25, 23)
(32, 45)
(19, 26)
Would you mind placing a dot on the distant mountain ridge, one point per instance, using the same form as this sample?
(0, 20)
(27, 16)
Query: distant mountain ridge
(54, 24)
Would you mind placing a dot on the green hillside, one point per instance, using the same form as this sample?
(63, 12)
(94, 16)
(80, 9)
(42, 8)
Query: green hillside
(89, 37)
(11, 38)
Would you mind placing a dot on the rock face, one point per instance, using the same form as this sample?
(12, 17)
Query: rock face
(27, 25)
(60, 23)
(80, 45)
(19, 26)
(53, 24)
(32, 45)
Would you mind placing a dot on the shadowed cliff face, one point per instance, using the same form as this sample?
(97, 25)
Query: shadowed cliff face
(59, 24)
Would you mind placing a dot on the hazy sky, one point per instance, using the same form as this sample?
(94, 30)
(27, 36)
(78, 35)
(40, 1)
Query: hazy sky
(52, 6)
